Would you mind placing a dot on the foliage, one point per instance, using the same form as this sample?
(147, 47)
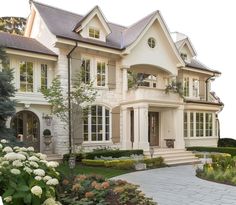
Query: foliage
(7, 90)
(211, 155)
(81, 95)
(113, 153)
(154, 162)
(14, 25)
(25, 176)
(46, 132)
(226, 142)
(82, 169)
(175, 87)
(96, 190)
(78, 157)
(93, 162)
(229, 150)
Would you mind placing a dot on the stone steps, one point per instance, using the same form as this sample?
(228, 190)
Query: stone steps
(54, 157)
(174, 157)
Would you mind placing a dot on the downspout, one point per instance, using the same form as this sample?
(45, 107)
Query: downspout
(69, 100)
(206, 82)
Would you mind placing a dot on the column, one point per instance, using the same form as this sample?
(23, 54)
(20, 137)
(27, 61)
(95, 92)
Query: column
(125, 81)
(178, 119)
(141, 127)
(126, 142)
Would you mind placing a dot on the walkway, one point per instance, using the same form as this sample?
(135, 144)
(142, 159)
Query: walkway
(179, 186)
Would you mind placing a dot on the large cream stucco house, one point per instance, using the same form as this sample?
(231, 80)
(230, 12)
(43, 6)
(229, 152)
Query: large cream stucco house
(129, 118)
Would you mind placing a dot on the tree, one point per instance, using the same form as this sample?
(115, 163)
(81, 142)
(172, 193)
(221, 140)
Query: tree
(7, 90)
(14, 25)
(81, 95)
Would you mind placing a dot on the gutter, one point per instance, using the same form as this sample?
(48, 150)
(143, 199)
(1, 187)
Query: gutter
(69, 100)
(206, 82)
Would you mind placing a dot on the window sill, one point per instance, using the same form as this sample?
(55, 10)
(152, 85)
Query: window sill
(97, 142)
(197, 138)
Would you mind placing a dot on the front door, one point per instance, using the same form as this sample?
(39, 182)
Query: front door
(27, 130)
(153, 128)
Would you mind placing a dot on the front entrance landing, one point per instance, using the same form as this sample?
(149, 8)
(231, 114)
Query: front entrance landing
(179, 186)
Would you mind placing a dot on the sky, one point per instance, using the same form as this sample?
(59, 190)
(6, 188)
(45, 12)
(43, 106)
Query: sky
(210, 24)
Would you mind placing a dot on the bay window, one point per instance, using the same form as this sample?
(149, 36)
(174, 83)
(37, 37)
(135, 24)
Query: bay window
(97, 124)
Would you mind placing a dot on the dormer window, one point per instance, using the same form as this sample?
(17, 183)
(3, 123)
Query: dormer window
(184, 56)
(94, 33)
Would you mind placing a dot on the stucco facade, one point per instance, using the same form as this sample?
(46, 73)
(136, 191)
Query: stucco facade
(137, 117)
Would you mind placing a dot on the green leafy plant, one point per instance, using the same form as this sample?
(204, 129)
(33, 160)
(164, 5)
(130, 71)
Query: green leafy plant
(175, 87)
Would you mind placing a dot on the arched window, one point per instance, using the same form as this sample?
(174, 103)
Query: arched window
(97, 124)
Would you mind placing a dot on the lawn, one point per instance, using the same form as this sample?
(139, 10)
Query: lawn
(82, 169)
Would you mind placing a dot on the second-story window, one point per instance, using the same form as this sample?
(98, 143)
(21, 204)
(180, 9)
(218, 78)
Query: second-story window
(184, 56)
(94, 33)
(186, 87)
(44, 76)
(85, 67)
(101, 74)
(195, 88)
(26, 77)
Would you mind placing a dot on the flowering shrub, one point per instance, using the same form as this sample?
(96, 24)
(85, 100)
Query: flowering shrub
(95, 190)
(26, 177)
(223, 169)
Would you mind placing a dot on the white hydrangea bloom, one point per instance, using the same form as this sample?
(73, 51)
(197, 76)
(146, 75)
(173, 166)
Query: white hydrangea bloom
(4, 141)
(53, 164)
(1, 146)
(17, 163)
(5, 163)
(34, 164)
(42, 156)
(24, 153)
(30, 149)
(38, 178)
(37, 191)
(53, 181)
(46, 178)
(7, 149)
(8, 199)
(15, 171)
(12, 156)
(23, 149)
(33, 158)
(50, 201)
(16, 147)
(39, 172)
(28, 170)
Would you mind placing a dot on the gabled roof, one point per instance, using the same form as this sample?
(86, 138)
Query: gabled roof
(95, 11)
(180, 44)
(196, 64)
(23, 44)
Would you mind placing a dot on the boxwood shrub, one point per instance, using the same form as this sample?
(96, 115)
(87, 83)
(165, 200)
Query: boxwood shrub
(113, 153)
(226, 142)
(229, 150)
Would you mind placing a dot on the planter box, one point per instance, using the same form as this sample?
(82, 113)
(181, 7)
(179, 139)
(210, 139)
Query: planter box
(140, 166)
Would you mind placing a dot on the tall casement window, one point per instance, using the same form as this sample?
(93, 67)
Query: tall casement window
(26, 76)
(199, 125)
(97, 124)
(191, 124)
(101, 73)
(195, 88)
(94, 33)
(44, 76)
(209, 123)
(85, 67)
(186, 87)
(185, 124)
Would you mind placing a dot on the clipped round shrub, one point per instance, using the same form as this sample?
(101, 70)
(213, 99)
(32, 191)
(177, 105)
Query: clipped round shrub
(46, 132)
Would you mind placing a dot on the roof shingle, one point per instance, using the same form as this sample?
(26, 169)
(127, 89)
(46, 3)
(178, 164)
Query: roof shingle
(23, 43)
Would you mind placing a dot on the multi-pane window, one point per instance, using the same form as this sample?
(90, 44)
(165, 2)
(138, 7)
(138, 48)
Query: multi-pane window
(186, 87)
(97, 125)
(94, 33)
(101, 74)
(195, 88)
(152, 42)
(199, 124)
(44, 76)
(185, 124)
(191, 124)
(209, 122)
(26, 76)
(85, 67)
(184, 56)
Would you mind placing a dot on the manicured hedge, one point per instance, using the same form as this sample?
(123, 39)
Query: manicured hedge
(154, 162)
(229, 150)
(78, 157)
(92, 162)
(113, 153)
(226, 142)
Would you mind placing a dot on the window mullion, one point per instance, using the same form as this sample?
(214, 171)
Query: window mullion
(103, 124)
(89, 127)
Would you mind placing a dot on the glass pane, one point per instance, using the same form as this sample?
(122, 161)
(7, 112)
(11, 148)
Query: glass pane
(93, 110)
(85, 137)
(22, 87)
(107, 136)
(107, 112)
(93, 137)
(94, 128)
(99, 137)
(99, 120)
(99, 111)
(94, 120)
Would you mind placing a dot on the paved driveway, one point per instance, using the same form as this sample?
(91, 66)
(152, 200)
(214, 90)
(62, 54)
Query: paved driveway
(179, 186)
